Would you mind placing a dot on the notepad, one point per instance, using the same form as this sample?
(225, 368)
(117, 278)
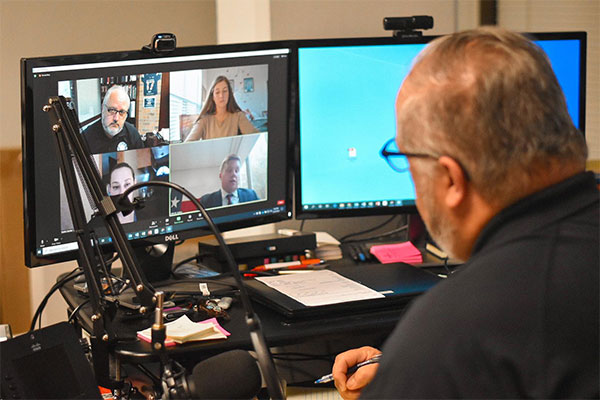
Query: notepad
(398, 252)
(318, 288)
(311, 393)
(184, 330)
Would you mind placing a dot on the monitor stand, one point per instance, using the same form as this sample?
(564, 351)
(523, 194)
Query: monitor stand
(156, 261)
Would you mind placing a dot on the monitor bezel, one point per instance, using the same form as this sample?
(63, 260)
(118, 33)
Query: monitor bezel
(299, 212)
(27, 114)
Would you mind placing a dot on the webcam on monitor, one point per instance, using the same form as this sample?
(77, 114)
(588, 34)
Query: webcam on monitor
(161, 43)
(404, 27)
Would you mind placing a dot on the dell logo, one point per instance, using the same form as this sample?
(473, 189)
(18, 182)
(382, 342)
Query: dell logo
(170, 238)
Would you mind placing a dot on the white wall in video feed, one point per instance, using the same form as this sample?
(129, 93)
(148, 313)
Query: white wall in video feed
(196, 165)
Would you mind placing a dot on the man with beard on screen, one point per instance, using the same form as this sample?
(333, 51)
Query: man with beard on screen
(112, 132)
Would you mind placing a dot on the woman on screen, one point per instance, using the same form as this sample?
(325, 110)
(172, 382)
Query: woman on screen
(221, 115)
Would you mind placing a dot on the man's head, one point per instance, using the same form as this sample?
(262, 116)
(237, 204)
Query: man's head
(486, 105)
(230, 173)
(121, 178)
(114, 110)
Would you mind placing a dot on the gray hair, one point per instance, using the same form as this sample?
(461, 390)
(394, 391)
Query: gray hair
(489, 98)
(122, 93)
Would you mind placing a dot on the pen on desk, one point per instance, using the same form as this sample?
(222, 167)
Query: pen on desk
(294, 269)
(308, 266)
(353, 253)
(351, 370)
(277, 265)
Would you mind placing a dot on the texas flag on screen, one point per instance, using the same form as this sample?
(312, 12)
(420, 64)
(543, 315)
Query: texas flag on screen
(176, 200)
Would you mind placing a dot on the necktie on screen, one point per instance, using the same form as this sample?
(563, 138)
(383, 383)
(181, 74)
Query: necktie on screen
(229, 196)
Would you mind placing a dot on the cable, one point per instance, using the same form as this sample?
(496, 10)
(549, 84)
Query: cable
(381, 235)
(37, 316)
(302, 225)
(265, 359)
(38, 312)
(76, 310)
(180, 263)
(345, 238)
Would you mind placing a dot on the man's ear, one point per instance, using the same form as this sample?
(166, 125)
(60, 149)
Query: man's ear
(457, 185)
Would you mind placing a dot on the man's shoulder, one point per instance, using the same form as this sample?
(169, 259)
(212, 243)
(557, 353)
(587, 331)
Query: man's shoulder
(249, 194)
(212, 194)
(93, 129)
(131, 127)
(211, 199)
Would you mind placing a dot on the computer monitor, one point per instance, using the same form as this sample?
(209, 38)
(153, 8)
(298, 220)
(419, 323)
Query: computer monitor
(155, 126)
(346, 94)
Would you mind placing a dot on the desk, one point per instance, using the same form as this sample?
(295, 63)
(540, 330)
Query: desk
(344, 330)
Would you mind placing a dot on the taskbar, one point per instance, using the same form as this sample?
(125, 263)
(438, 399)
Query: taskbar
(358, 205)
(168, 226)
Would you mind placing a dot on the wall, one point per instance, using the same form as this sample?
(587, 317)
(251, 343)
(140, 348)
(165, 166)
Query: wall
(565, 15)
(53, 27)
(307, 19)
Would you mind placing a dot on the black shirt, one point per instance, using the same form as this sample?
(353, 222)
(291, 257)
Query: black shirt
(98, 142)
(519, 320)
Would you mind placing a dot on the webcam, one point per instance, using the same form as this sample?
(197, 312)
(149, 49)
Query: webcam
(407, 26)
(161, 43)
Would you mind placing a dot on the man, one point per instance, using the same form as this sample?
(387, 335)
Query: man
(121, 177)
(229, 193)
(112, 132)
(499, 173)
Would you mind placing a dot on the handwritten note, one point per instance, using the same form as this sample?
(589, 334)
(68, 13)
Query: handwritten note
(318, 288)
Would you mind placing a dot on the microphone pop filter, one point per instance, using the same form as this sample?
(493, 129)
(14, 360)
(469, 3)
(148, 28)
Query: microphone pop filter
(230, 375)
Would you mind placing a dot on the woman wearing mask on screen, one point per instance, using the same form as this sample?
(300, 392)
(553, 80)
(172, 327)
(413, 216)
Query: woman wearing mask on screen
(220, 116)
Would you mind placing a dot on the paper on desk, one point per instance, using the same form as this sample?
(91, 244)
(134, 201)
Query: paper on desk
(311, 393)
(397, 252)
(185, 330)
(318, 288)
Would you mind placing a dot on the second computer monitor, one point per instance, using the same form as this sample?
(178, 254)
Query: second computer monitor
(346, 95)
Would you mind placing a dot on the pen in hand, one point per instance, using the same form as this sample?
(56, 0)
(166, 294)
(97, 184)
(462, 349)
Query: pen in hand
(351, 370)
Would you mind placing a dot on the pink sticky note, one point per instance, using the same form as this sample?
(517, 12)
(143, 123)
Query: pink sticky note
(216, 324)
(398, 252)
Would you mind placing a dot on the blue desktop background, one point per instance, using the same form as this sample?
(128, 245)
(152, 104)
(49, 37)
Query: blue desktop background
(346, 105)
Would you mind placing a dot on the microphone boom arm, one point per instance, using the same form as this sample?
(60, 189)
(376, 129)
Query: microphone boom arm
(73, 150)
(71, 147)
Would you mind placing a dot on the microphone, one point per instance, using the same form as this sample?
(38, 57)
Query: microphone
(126, 206)
(230, 375)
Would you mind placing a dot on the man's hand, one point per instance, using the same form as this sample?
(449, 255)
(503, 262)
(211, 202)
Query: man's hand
(350, 387)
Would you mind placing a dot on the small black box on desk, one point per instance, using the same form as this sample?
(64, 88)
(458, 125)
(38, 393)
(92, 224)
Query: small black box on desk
(253, 250)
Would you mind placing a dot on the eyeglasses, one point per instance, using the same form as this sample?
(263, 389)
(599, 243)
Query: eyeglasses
(113, 111)
(397, 159)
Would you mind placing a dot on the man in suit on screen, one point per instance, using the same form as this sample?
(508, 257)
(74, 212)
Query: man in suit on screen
(230, 192)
